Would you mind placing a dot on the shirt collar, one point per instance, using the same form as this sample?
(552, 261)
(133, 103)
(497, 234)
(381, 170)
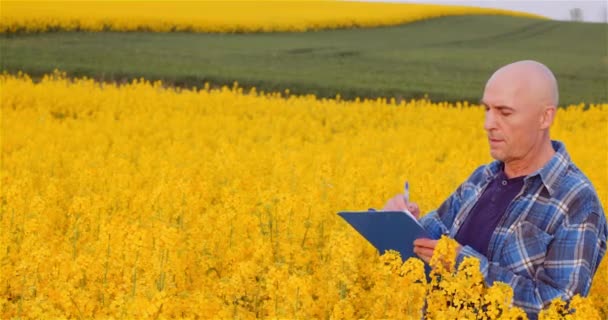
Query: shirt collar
(549, 174)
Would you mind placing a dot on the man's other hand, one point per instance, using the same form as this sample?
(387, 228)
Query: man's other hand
(424, 248)
(397, 203)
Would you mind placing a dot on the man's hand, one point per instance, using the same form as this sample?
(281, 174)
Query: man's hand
(397, 203)
(425, 247)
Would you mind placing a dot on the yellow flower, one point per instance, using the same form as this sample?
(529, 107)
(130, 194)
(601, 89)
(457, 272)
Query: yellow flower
(139, 201)
(444, 256)
(220, 16)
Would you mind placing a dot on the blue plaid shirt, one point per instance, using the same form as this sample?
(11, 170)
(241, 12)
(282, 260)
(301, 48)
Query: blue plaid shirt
(550, 240)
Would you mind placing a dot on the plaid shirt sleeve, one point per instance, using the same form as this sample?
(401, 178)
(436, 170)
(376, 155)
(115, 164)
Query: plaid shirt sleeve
(440, 221)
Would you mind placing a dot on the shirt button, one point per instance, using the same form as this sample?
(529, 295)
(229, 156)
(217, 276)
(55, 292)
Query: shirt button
(504, 182)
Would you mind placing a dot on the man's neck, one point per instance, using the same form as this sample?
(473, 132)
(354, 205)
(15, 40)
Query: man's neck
(534, 161)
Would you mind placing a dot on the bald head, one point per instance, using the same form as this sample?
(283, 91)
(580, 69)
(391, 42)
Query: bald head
(520, 100)
(530, 83)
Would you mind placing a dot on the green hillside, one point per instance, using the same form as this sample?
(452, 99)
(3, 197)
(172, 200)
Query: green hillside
(448, 58)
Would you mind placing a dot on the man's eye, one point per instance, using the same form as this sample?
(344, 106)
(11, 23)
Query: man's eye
(506, 113)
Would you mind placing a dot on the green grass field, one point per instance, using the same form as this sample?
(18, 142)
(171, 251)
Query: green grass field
(448, 58)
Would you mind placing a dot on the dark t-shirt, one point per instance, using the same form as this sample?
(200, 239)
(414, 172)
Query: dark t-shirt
(479, 226)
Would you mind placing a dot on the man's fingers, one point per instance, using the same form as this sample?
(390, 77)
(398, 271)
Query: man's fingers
(425, 242)
(393, 205)
(421, 251)
(396, 203)
(399, 202)
(412, 207)
(424, 253)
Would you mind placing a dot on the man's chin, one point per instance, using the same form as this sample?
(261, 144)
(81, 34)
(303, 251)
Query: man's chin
(496, 155)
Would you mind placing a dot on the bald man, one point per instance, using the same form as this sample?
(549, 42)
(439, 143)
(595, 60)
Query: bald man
(531, 217)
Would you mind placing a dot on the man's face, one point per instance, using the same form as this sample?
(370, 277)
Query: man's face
(511, 124)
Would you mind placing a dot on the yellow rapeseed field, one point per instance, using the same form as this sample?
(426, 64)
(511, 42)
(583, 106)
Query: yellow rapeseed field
(139, 201)
(219, 16)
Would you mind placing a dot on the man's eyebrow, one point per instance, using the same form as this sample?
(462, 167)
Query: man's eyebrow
(499, 107)
(504, 108)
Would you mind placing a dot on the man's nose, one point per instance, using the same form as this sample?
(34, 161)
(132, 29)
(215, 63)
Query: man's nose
(489, 122)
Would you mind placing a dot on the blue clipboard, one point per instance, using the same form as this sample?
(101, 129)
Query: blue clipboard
(394, 230)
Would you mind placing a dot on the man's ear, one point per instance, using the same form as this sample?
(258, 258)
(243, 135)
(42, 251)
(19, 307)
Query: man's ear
(547, 117)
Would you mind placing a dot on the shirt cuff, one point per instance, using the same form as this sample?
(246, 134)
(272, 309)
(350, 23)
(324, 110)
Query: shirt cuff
(432, 224)
(468, 251)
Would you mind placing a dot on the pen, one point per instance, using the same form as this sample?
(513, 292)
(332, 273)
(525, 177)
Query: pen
(406, 193)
